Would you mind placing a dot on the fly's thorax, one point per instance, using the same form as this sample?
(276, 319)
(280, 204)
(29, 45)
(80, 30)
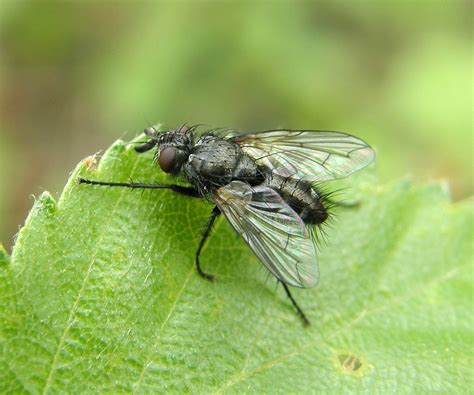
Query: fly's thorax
(215, 162)
(302, 196)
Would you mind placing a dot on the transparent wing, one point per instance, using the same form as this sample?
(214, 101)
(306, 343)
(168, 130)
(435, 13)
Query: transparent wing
(274, 232)
(310, 154)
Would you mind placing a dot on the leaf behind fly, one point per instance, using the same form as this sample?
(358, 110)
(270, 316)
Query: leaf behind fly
(101, 295)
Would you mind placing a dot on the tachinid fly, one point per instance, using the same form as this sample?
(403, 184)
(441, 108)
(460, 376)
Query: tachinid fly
(265, 184)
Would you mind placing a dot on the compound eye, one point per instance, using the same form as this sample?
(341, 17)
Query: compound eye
(167, 159)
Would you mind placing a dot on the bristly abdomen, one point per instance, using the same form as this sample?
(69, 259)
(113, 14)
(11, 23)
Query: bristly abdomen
(302, 196)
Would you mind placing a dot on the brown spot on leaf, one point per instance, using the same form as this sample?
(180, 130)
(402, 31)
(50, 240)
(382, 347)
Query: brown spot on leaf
(349, 362)
(90, 162)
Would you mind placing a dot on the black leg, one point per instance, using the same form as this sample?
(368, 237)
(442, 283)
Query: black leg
(295, 305)
(188, 191)
(205, 235)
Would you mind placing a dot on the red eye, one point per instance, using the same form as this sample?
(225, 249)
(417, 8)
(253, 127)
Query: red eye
(167, 159)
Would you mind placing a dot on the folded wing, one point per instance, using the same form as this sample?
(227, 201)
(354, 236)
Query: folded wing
(273, 230)
(309, 154)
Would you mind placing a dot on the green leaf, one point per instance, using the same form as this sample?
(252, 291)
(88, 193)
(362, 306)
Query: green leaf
(101, 295)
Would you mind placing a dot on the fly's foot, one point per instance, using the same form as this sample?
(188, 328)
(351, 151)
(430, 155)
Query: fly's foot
(208, 277)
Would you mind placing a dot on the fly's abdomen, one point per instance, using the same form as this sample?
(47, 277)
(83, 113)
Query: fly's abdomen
(302, 197)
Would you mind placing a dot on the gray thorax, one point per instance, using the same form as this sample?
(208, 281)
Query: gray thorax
(217, 162)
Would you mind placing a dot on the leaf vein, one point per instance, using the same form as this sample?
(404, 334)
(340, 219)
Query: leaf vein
(70, 319)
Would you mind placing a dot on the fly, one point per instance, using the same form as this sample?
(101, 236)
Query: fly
(264, 183)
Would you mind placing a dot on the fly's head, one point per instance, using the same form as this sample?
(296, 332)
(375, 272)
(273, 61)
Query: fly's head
(172, 147)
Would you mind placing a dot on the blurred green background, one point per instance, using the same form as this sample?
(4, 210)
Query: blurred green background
(75, 76)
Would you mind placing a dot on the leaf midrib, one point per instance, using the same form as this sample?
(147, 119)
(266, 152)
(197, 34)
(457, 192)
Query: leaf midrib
(364, 313)
(390, 254)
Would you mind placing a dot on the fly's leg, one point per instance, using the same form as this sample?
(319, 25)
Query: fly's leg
(295, 305)
(188, 191)
(215, 213)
